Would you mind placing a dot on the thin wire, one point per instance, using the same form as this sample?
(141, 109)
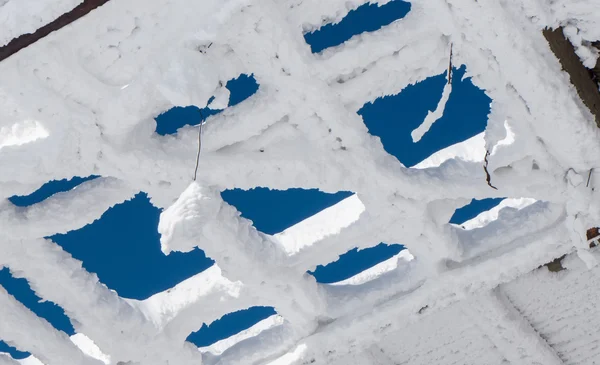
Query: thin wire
(199, 144)
(450, 66)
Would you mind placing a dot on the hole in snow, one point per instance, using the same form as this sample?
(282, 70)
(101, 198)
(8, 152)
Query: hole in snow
(13, 352)
(20, 289)
(473, 209)
(229, 325)
(241, 88)
(480, 213)
(272, 211)
(393, 118)
(123, 249)
(365, 18)
(48, 189)
(354, 262)
(170, 121)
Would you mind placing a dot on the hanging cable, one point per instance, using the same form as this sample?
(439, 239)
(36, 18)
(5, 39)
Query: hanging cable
(199, 144)
(450, 66)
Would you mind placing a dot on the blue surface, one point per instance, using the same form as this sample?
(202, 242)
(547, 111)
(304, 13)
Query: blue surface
(123, 248)
(272, 211)
(354, 262)
(170, 121)
(365, 18)
(19, 288)
(48, 189)
(229, 325)
(16, 354)
(473, 209)
(393, 118)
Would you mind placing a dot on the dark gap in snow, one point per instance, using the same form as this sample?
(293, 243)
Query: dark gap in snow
(48, 189)
(13, 352)
(170, 121)
(229, 325)
(241, 88)
(20, 289)
(472, 210)
(123, 249)
(272, 211)
(365, 18)
(354, 262)
(393, 118)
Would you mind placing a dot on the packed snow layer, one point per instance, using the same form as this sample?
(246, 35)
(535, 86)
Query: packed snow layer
(561, 308)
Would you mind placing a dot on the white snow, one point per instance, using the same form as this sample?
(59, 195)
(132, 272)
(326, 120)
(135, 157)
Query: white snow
(219, 347)
(221, 98)
(330, 221)
(82, 100)
(89, 348)
(485, 218)
(21, 133)
(377, 270)
(432, 116)
(470, 150)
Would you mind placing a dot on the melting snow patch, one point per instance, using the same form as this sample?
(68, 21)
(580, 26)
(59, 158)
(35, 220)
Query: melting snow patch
(365, 18)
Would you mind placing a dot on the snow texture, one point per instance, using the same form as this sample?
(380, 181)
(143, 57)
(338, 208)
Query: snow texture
(81, 102)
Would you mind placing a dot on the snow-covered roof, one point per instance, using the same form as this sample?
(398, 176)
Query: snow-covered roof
(81, 101)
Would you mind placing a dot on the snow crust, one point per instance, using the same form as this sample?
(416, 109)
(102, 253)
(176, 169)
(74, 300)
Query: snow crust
(82, 100)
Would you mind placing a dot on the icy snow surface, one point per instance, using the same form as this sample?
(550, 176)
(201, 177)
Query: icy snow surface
(82, 101)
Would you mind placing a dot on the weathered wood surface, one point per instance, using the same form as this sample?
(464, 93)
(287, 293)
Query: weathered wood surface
(26, 40)
(581, 77)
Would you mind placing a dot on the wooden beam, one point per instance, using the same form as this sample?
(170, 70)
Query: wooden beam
(581, 77)
(25, 40)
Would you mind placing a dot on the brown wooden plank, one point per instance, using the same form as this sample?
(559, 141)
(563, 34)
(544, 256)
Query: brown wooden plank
(26, 40)
(580, 76)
